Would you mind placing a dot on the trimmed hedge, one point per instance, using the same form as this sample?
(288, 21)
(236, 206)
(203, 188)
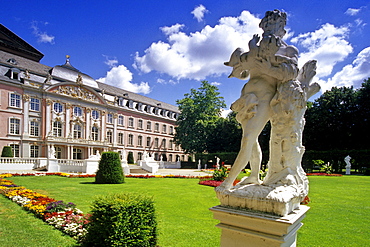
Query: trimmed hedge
(122, 220)
(110, 169)
(7, 152)
(130, 158)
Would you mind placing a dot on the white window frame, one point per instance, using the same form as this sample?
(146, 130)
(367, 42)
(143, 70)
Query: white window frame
(110, 118)
(14, 127)
(95, 134)
(34, 104)
(34, 128)
(15, 100)
(58, 107)
(121, 120)
(77, 111)
(57, 130)
(34, 151)
(95, 114)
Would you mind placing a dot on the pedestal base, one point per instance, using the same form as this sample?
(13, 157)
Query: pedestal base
(255, 229)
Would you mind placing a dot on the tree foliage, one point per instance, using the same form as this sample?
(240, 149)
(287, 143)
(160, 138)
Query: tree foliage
(200, 111)
(339, 119)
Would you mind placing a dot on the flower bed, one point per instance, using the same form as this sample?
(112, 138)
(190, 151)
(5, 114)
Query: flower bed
(324, 174)
(93, 175)
(65, 217)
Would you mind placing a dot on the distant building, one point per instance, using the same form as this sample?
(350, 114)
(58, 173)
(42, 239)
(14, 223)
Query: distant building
(44, 108)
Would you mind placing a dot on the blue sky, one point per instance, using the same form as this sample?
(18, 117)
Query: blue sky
(161, 49)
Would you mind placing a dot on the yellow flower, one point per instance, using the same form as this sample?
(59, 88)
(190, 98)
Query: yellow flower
(5, 175)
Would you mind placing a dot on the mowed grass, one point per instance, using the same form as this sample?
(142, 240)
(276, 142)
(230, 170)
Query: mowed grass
(339, 214)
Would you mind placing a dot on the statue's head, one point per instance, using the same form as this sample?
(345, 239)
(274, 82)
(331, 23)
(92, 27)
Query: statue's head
(274, 23)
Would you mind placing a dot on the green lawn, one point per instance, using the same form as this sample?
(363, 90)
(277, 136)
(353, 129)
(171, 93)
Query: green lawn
(339, 214)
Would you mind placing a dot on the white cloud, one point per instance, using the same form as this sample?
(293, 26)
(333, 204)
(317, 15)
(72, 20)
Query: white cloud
(121, 77)
(327, 45)
(352, 12)
(111, 62)
(199, 12)
(202, 53)
(43, 37)
(351, 74)
(225, 112)
(172, 29)
(215, 83)
(162, 81)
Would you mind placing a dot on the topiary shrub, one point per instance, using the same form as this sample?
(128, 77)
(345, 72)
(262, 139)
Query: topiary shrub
(130, 158)
(7, 152)
(110, 169)
(122, 220)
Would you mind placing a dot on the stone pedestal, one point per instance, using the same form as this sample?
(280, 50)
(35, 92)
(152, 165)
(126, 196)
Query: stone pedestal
(255, 229)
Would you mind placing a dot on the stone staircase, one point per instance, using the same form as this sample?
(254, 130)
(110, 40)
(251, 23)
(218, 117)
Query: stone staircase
(134, 169)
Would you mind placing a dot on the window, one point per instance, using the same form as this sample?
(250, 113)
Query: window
(95, 114)
(57, 129)
(95, 133)
(58, 152)
(171, 130)
(15, 149)
(109, 136)
(58, 107)
(14, 126)
(77, 154)
(149, 126)
(15, 100)
(120, 138)
(34, 151)
(156, 127)
(120, 120)
(156, 143)
(148, 141)
(164, 143)
(139, 155)
(77, 131)
(34, 128)
(140, 124)
(140, 141)
(77, 111)
(130, 140)
(170, 146)
(131, 122)
(170, 158)
(164, 128)
(34, 104)
(110, 118)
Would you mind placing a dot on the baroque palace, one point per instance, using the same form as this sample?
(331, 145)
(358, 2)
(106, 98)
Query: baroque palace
(64, 111)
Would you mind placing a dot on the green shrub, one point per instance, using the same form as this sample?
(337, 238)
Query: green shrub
(110, 169)
(130, 158)
(7, 152)
(122, 220)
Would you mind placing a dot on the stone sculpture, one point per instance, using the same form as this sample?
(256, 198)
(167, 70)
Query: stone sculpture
(277, 91)
(348, 164)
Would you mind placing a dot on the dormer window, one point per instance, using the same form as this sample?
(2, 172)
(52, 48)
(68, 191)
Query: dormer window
(12, 61)
(13, 73)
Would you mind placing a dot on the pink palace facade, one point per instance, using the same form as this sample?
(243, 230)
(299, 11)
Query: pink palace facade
(61, 108)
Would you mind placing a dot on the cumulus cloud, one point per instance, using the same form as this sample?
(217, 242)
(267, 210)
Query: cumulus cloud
(172, 29)
(42, 37)
(202, 53)
(328, 45)
(352, 12)
(111, 62)
(351, 74)
(199, 12)
(121, 77)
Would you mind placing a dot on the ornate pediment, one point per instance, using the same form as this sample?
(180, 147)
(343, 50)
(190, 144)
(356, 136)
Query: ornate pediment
(77, 92)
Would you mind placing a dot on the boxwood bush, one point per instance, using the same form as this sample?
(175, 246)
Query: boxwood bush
(7, 152)
(110, 169)
(122, 220)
